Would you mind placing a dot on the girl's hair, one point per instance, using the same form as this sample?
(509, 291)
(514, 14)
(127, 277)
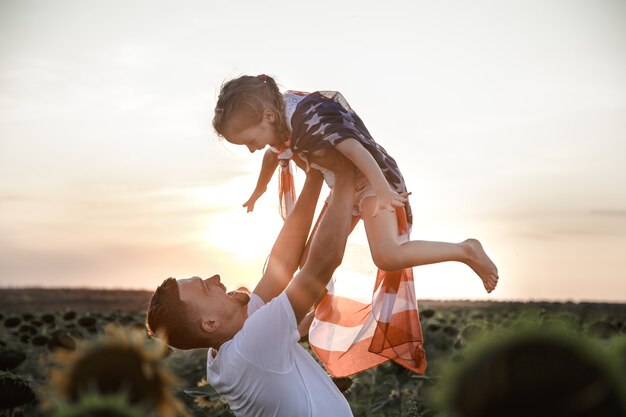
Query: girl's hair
(241, 102)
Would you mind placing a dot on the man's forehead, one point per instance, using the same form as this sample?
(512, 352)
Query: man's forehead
(186, 280)
(186, 287)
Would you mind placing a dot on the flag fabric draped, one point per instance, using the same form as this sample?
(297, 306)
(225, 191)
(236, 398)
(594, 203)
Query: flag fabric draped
(286, 186)
(353, 332)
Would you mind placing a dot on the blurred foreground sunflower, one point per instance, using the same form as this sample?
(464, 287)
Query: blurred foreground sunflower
(118, 373)
(538, 371)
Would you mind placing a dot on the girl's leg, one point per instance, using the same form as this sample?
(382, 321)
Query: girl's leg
(391, 255)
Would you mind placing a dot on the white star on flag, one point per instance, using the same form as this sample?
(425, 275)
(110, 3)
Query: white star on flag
(312, 121)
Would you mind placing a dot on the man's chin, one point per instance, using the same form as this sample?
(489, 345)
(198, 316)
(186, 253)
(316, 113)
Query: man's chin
(241, 297)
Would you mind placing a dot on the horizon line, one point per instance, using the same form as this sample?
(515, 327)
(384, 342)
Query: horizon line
(424, 300)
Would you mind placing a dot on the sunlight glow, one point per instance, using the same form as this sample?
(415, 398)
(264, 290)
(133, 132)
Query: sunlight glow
(244, 235)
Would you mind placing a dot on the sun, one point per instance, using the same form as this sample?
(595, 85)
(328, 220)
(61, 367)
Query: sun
(245, 236)
(226, 227)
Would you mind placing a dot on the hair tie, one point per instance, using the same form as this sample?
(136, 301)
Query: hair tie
(262, 77)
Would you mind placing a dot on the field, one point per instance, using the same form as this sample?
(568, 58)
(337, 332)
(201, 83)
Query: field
(36, 322)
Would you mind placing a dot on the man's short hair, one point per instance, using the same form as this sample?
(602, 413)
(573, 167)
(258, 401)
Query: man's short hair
(168, 316)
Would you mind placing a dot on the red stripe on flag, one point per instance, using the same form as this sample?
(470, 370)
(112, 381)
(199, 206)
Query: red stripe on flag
(358, 358)
(342, 311)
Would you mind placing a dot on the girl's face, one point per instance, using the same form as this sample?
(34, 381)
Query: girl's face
(256, 137)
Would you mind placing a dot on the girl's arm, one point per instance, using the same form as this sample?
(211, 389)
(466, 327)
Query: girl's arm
(365, 162)
(268, 167)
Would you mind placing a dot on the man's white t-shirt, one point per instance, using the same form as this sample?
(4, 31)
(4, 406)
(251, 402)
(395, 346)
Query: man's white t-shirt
(264, 371)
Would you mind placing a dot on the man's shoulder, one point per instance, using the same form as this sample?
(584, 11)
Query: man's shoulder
(274, 319)
(266, 337)
(277, 305)
(254, 304)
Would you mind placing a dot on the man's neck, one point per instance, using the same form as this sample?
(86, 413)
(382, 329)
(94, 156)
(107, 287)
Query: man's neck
(217, 344)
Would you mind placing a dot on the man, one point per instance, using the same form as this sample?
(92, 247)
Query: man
(255, 360)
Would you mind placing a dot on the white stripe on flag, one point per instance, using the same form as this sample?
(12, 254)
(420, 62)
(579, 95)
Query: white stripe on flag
(332, 337)
(387, 304)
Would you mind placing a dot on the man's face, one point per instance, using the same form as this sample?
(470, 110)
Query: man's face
(209, 299)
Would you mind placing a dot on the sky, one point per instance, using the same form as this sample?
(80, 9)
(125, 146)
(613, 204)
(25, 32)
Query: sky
(507, 119)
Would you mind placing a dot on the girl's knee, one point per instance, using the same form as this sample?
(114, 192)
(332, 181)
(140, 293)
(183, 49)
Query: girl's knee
(386, 260)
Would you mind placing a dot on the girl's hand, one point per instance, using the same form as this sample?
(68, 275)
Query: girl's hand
(253, 198)
(388, 200)
(249, 205)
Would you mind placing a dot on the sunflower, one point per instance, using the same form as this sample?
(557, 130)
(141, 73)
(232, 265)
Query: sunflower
(95, 405)
(538, 371)
(121, 362)
(15, 391)
(206, 397)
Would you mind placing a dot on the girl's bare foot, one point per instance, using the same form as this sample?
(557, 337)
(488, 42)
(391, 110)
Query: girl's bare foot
(478, 260)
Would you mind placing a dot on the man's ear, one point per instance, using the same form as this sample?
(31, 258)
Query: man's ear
(210, 326)
(269, 115)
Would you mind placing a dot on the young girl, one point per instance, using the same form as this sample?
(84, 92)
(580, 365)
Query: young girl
(251, 111)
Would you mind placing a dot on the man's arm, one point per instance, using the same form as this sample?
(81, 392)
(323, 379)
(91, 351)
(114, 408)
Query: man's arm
(329, 242)
(289, 246)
